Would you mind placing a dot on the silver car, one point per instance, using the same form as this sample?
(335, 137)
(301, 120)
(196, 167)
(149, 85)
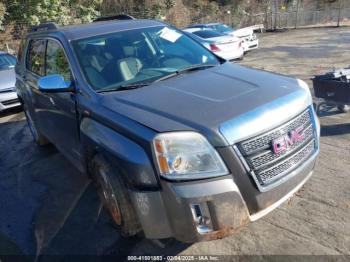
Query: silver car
(8, 95)
(225, 46)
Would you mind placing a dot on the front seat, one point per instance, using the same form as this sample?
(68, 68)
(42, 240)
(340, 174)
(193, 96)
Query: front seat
(129, 66)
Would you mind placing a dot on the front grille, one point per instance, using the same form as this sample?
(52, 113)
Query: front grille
(264, 141)
(268, 166)
(9, 102)
(7, 90)
(259, 160)
(268, 175)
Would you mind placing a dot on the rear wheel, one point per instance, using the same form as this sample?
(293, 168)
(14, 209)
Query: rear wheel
(37, 136)
(114, 196)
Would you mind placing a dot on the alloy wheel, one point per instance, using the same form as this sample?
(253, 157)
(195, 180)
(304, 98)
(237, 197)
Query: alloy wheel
(107, 196)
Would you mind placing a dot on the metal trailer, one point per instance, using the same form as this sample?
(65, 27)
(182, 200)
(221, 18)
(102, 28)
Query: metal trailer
(332, 90)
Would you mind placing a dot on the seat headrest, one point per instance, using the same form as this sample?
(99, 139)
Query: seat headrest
(90, 50)
(128, 51)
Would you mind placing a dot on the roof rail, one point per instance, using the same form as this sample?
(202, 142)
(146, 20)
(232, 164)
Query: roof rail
(44, 27)
(114, 17)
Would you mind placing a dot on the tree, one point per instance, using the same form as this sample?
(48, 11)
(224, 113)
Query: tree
(169, 4)
(34, 12)
(2, 15)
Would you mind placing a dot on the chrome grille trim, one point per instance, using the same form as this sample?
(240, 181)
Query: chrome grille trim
(268, 169)
(266, 158)
(8, 90)
(9, 102)
(271, 174)
(263, 141)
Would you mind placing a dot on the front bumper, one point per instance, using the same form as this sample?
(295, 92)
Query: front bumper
(209, 209)
(8, 100)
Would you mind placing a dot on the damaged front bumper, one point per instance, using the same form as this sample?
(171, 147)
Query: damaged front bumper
(205, 210)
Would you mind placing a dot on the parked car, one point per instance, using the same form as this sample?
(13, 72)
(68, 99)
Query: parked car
(247, 34)
(8, 96)
(227, 47)
(180, 142)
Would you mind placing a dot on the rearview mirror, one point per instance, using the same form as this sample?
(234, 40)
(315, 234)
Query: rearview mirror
(54, 84)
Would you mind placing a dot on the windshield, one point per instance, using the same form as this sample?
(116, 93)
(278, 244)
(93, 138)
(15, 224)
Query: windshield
(222, 28)
(138, 56)
(207, 34)
(7, 62)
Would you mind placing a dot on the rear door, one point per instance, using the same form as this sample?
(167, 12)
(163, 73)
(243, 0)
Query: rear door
(35, 68)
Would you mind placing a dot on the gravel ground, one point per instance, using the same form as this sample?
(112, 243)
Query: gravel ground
(48, 207)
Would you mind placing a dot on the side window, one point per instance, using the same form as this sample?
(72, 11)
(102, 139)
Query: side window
(36, 57)
(56, 60)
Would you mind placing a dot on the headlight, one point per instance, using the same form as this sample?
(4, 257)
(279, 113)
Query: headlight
(303, 85)
(187, 155)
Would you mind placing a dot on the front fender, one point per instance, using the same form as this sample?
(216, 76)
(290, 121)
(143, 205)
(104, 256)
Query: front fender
(132, 160)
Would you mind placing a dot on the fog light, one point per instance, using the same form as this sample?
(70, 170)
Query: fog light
(202, 220)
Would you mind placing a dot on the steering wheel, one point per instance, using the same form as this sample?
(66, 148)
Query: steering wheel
(158, 61)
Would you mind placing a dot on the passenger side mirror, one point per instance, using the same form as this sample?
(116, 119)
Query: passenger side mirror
(54, 84)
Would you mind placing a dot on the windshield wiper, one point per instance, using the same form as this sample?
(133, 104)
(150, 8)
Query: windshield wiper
(195, 67)
(142, 84)
(123, 87)
(181, 71)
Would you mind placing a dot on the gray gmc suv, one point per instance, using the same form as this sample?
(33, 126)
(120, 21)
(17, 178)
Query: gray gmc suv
(180, 142)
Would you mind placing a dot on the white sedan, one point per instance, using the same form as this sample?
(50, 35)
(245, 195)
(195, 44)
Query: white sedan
(8, 95)
(225, 46)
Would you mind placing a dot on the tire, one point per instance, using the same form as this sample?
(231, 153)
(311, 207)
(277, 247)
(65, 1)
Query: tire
(114, 196)
(343, 108)
(39, 139)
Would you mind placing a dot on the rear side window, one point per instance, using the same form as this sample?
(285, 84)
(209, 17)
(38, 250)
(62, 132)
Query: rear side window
(36, 57)
(56, 60)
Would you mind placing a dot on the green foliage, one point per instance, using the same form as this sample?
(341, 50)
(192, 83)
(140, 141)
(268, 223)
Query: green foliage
(34, 12)
(86, 12)
(169, 4)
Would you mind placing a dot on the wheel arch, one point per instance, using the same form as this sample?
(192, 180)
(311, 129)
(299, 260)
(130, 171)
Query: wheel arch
(132, 160)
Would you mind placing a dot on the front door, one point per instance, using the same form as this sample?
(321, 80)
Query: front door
(63, 122)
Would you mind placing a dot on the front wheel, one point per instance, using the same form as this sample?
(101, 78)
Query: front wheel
(114, 196)
(37, 136)
(343, 108)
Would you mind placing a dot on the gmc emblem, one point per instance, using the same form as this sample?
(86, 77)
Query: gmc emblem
(282, 143)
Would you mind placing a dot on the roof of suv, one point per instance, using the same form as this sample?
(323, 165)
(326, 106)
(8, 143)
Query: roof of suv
(74, 32)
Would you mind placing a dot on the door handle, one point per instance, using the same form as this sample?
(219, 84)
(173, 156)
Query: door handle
(52, 101)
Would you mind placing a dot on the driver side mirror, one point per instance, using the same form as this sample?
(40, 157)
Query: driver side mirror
(55, 84)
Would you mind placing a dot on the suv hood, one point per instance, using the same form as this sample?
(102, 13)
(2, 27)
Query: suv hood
(7, 79)
(225, 103)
